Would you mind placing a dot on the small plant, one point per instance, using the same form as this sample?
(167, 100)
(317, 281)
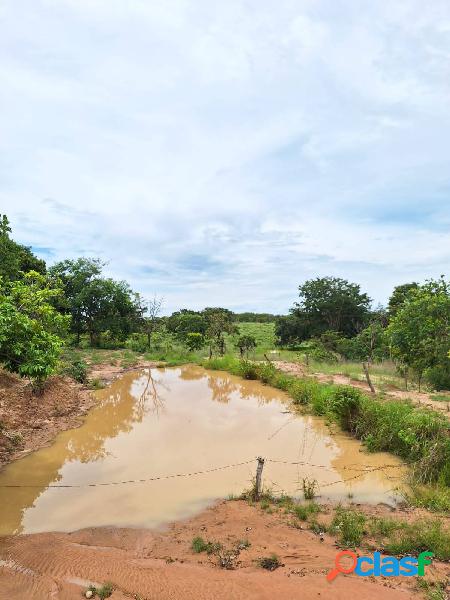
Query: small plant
(105, 591)
(200, 545)
(309, 488)
(349, 525)
(270, 563)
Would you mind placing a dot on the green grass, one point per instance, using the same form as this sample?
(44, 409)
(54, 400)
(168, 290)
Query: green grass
(349, 526)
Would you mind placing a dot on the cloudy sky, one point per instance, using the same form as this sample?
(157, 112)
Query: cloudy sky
(222, 152)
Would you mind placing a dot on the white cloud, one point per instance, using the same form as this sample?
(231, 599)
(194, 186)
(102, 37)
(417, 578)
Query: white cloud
(221, 152)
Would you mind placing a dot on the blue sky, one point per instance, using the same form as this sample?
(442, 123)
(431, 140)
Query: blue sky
(220, 153)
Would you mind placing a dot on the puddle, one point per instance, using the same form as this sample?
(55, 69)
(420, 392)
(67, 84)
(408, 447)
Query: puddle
(159, 422)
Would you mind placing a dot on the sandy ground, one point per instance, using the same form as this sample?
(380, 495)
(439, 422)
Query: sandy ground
(29, 421)
(162, 566)
(423, 398)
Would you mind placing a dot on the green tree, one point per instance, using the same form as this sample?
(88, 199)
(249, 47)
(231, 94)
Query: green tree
(219, 321)
(245, 343)
(76, 276)
(31, 329)
(419, 333)
(96, 304)
(15, 259)
(195, 341)
(185, 321)
(331, 303)
(109, 306)
(399, 296)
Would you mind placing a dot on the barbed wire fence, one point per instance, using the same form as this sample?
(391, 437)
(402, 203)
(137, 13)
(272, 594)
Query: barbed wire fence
(361, 471)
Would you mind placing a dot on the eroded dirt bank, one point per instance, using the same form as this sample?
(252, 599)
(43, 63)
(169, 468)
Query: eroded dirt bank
(162, 565)
(29, 421)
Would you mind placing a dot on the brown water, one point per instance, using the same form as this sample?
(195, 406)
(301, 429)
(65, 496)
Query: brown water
(159, 422)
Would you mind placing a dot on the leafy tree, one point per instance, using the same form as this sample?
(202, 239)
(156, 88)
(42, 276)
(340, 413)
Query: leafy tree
(195, 341)
(331, 303)
(419, 333)
(109, 306)
(245, 343)
(97, 305)
(291, 329)
(185, 321)
(76, 276)
(399, 296)
(15, 259)
(219, 321)
(30, 327)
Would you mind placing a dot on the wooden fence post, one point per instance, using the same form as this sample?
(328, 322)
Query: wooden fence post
(258, 480)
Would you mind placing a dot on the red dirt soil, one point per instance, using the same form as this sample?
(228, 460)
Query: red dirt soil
(162, 565)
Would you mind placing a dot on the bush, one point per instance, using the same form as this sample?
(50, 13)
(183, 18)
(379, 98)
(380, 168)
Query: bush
(345, 404)
(248, 370)
(137, 342)
(439, 377)
(266, 372)
(77, 370)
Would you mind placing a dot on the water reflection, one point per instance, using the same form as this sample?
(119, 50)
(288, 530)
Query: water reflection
(165, 421)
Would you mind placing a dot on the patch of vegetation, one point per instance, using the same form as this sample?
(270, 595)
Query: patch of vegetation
(270, 563)
(103, 592)
(304, 511)
(200, 545)
(422, 535)
(78, 370)
(309, 488)
(433, 590)
(349, 526)
(433, 497)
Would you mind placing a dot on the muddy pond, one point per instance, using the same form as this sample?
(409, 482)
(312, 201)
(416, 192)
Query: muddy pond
(155, 423)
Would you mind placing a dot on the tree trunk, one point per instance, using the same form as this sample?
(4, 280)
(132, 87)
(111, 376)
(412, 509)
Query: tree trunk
(367, 374)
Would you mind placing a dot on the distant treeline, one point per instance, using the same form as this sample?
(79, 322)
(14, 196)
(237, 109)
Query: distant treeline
(71, 302)
(252, 317)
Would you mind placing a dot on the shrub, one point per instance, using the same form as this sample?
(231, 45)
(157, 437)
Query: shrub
(77, 370)
(248, 370)
(266, 372)
(439, 377)
(344, 404)
(137, 342)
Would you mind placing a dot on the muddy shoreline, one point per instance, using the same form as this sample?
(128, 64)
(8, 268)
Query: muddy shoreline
(29, 422)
